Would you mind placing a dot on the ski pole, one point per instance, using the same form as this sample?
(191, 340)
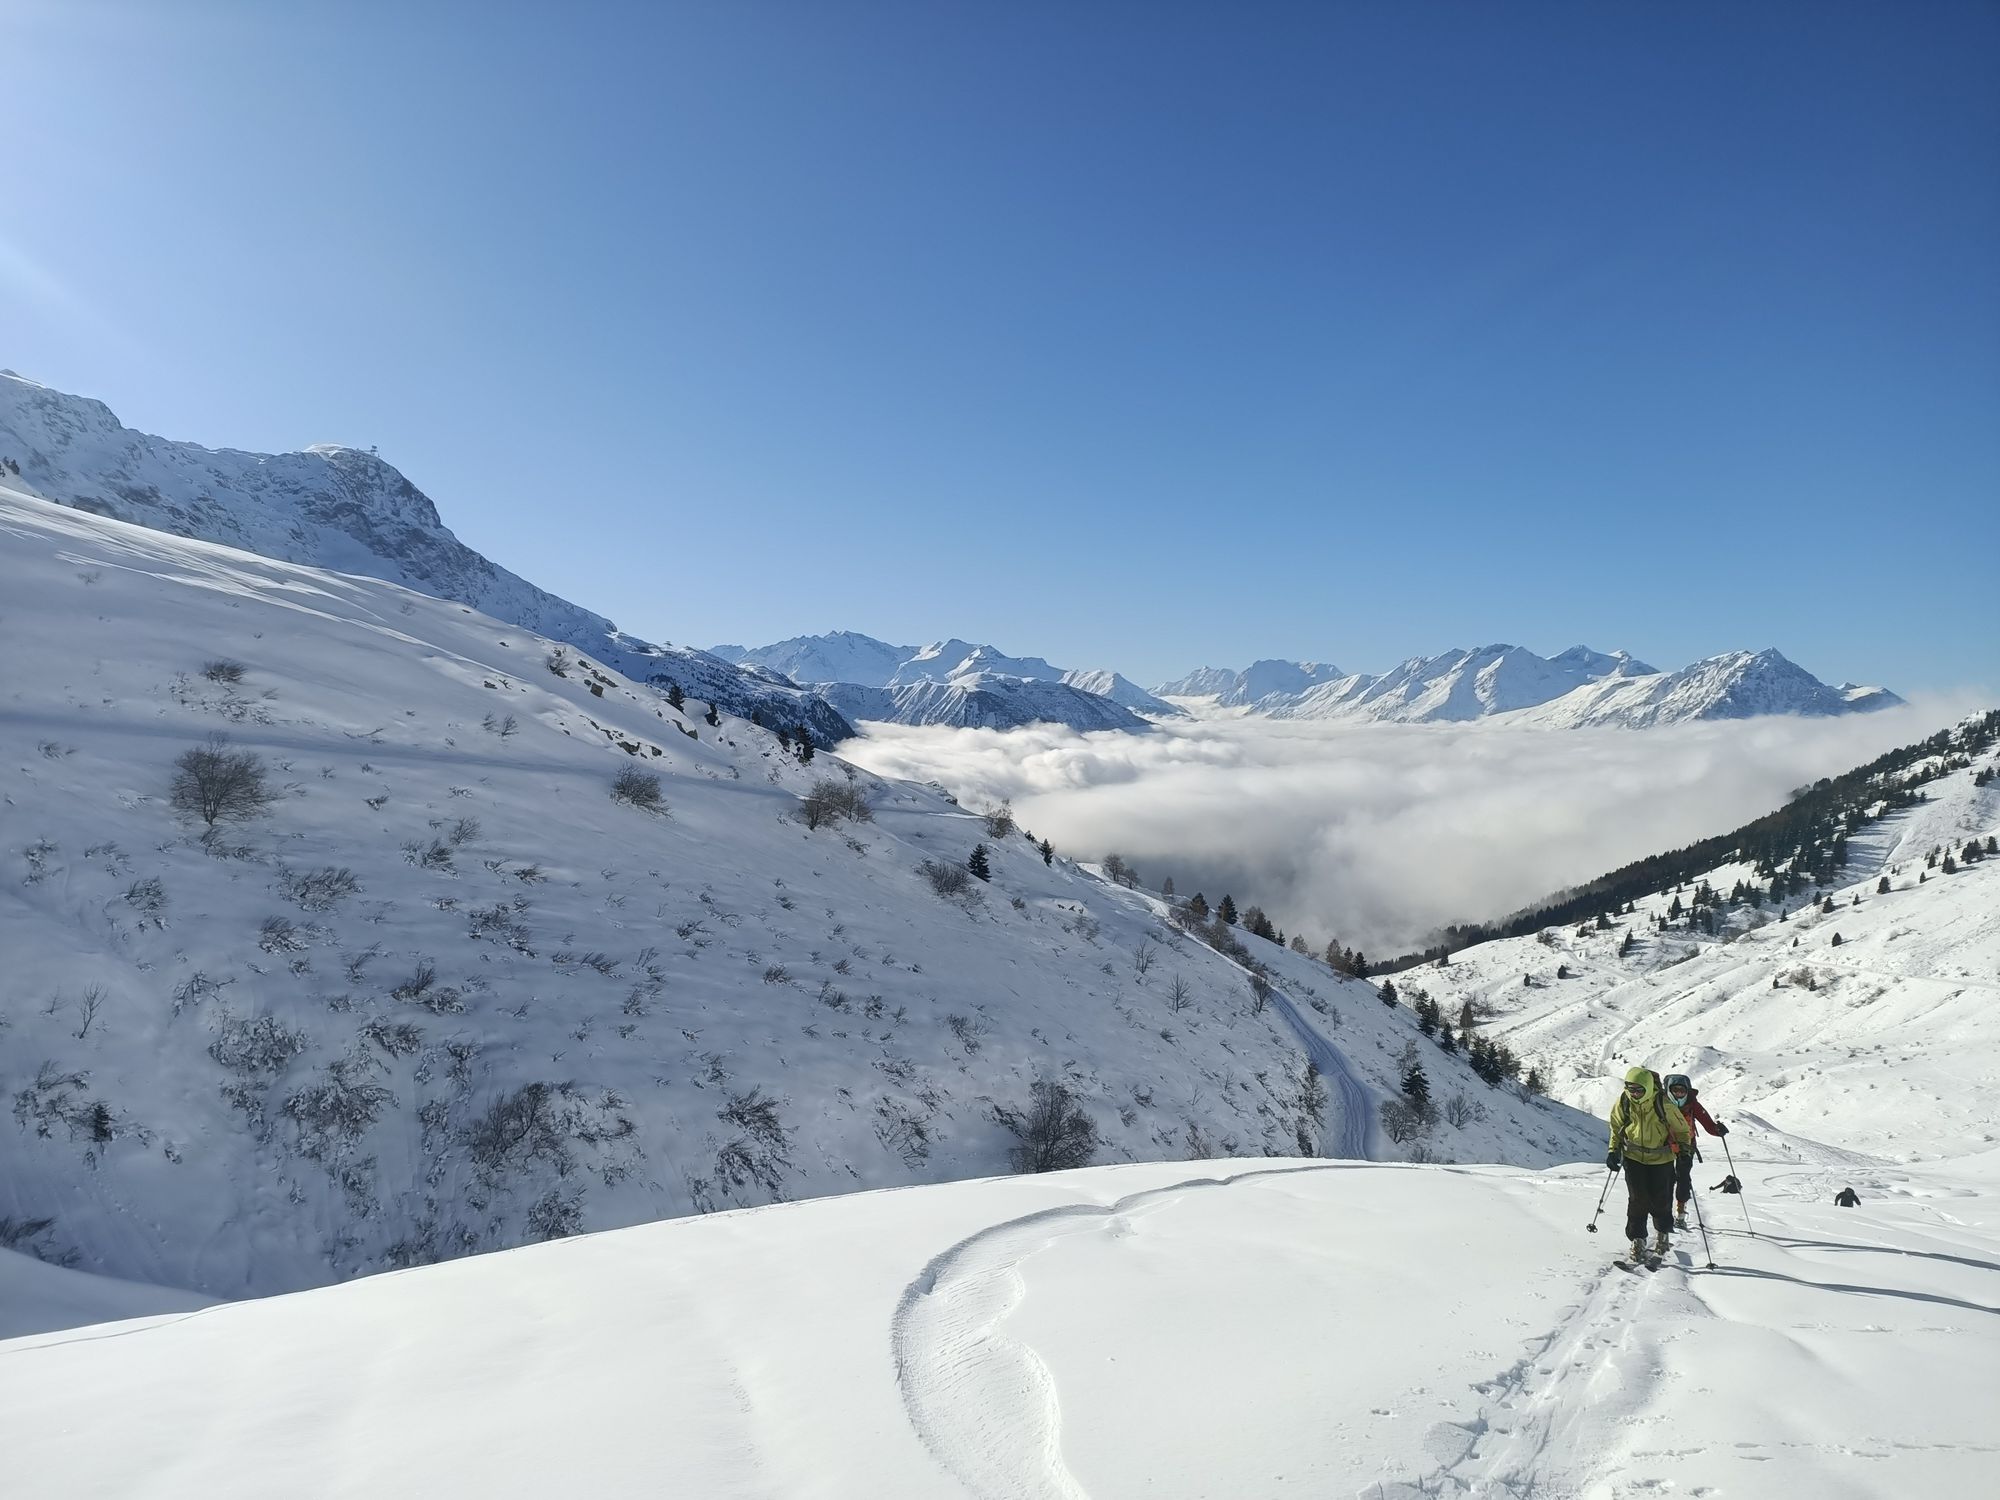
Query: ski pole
(1706, 1248)
(1730, 1157)
(1592, 1225)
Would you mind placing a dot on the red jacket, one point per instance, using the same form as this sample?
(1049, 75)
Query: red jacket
(1696, 1115)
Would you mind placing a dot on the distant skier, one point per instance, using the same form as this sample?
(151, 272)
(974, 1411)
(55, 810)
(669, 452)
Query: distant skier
(1688, 1101)
(1847, 1198)
(1647, 1134)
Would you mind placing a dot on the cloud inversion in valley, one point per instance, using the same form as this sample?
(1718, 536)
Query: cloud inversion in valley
(1380, 834)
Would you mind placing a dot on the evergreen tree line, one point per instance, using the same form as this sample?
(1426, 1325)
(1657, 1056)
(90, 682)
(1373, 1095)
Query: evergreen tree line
(1804, 842)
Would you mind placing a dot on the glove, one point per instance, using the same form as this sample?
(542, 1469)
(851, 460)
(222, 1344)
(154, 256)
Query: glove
(1611, 1161)
(1720, 1128)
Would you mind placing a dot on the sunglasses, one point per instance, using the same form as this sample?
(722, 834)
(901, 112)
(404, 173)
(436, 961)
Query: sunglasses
(1636, 1090)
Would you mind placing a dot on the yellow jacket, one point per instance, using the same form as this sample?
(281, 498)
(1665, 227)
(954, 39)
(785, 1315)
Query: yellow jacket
(1650, 1130)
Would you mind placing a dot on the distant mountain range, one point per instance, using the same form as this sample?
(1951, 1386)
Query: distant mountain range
(342, 509)
(956, 682)
(1576, 689)
(952, 682)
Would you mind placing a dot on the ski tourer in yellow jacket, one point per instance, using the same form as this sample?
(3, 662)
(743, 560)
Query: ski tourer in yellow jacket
(1647, 1133)
(1647, 1126)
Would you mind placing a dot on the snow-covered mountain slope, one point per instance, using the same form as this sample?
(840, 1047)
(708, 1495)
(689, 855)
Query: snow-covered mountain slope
(952, 682)
(338, 508)
(1847, 1039)
(1226, 688)
(1576, 688)
(1124, 692)
(1244, 1329)
(447, 994)
(841, 656)
(981, 700)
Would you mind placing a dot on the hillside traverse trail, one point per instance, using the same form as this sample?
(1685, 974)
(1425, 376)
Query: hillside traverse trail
(1357, 1115)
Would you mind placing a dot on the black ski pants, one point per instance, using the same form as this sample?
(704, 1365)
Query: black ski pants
(1684, 1178)
(1649, 1192)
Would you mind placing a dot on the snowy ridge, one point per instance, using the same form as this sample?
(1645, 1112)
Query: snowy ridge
(981, 700)
(448, 995)
(1574, 689)
(952, 682)
(338, 508)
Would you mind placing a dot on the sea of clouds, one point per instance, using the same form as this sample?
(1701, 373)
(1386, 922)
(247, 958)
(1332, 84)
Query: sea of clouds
(1381, 834)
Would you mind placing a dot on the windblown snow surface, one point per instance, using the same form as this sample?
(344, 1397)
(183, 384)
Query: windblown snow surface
(1247, 1327)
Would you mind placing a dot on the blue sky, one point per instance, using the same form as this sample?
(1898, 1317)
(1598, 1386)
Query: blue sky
(1139, 335)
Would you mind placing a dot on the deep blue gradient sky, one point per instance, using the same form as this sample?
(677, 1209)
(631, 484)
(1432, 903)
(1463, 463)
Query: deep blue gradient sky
(1139, 335)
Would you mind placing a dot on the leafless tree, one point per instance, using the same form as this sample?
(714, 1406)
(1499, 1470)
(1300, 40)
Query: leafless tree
(87, 1007)
(1054, 1133)
(1179, 992)
(218, 785)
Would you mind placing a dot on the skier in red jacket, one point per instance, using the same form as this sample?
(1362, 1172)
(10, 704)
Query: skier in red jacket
(1688, 1101)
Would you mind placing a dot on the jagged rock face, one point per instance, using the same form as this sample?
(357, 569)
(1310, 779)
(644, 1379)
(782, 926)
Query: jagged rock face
(339, 508)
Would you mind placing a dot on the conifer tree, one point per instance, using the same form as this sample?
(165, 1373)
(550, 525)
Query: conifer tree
(1388, 992)
(1445, 1038)
(1167, 888)
(1198, 906)
(1882, 886)
(1048, 852)
(805, 747)
(676, 699)
(1416, 1087)
(976, 863)
(1227, 911)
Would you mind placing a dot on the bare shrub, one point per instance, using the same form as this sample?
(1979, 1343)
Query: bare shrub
(332, 1113)
(1404, 1121)
(637, 788)
(1000, 821)
(1179, 993)
(397, 1038)
(953, 882)
(832, 798)
(967, 1030)
(559, 661)
(1142, 958)
(462, 831)
(1260, 994)
(224, 670)
(422, 989)
(220, 785)
(196, 988)
(1460, 1110)
(556, 1214)
(148, 897)
(280, 935)
(256, 1045)
(903, 1132)
(318, 890)
(1053, 1134)
(87, 1007)
(505, 726)
(433, 855)
(1119, 872)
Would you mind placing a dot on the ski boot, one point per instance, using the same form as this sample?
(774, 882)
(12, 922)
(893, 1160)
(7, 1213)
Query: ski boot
(1636, 1252)
(1681, 1218)
(1662, 1243)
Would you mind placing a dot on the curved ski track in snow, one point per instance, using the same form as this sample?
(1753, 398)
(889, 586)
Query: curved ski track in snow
(1357, 1117)
(984, 1404)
